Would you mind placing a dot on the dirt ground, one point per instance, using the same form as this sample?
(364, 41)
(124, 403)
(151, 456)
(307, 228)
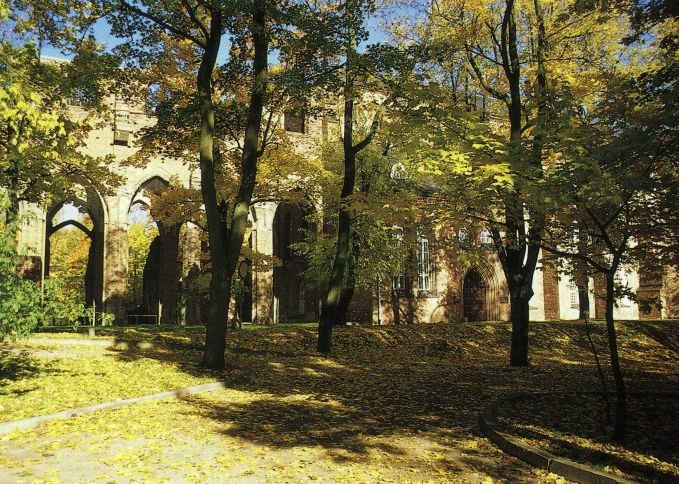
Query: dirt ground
(389, 405)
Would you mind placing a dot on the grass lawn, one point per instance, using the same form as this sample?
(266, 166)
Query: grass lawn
(394, 404)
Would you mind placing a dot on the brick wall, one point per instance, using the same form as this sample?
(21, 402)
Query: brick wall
(599, 296)
(550, 278)
(360, 308)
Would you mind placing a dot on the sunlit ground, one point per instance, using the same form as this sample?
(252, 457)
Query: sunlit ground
(390, 404)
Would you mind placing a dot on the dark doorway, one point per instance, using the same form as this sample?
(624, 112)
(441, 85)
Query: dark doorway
(295, 301)
(475, 289)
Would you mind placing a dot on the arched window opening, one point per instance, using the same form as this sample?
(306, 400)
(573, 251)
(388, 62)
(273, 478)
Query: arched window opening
(486, 237)
(68, 254)
(154, 273)
(142, 231)
(293, 297)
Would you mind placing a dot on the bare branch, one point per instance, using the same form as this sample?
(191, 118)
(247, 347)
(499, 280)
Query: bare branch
(162, 24)
(482, 80)
(191, 11)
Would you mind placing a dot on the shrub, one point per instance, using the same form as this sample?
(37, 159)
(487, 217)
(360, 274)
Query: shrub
(20, 310)
(60, 307)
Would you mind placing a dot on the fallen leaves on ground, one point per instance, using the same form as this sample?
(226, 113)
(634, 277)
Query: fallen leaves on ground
(574, 426)
(34, 381)
(390, 404)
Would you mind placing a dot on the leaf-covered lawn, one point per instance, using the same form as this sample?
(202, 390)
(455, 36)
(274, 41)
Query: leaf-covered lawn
(574, 426)
(46, 378)
(390, 404)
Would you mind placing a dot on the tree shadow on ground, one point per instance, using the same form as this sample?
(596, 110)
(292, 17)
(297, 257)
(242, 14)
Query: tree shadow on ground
(666, 335)
(20, 365)
(572, 449)
(380, 385)
(353, 435)
(573, 425)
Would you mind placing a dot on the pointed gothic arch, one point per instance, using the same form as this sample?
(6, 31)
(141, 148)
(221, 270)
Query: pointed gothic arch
(93, 205)
(481, 294)
(162, 268)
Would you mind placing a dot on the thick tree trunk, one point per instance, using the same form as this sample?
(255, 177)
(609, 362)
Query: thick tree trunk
(520, 314)
(519, 256)
(524, 232)
(516, 247)
(225, 245)
(213, 353)
(330, 311)
(334, 308)
(621, 398)
(518, 250)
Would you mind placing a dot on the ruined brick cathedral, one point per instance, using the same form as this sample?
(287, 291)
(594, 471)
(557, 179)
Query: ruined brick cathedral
(444, 289)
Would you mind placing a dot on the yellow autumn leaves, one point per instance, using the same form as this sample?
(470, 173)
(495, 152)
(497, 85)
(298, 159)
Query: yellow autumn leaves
(391, 404)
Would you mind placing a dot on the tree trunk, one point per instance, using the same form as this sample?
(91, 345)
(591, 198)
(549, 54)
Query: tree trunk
(621, 400)
(225, 244)
(520, 314)
(350, 287)
(524, 232)
(518, 251)
(213, 353)
(583, 300)
(330, 311)
(516, 246)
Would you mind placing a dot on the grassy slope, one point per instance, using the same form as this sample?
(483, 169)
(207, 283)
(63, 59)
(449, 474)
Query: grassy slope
(41, 378)
(391, 403)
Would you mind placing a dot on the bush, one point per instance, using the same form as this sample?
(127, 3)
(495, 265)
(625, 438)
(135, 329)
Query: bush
(60, 307)
(20, 310)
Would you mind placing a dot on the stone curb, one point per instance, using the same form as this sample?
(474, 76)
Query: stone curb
(539, 458)
(27, 423)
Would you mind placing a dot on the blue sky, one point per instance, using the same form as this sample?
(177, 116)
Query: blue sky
(102, 33)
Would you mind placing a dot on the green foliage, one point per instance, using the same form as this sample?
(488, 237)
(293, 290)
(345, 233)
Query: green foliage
(22, 307)
(20, 298)
(383, 209)
(60, 306)
(69, 254)
(41, 159)
(107, 319)
(141, 233)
